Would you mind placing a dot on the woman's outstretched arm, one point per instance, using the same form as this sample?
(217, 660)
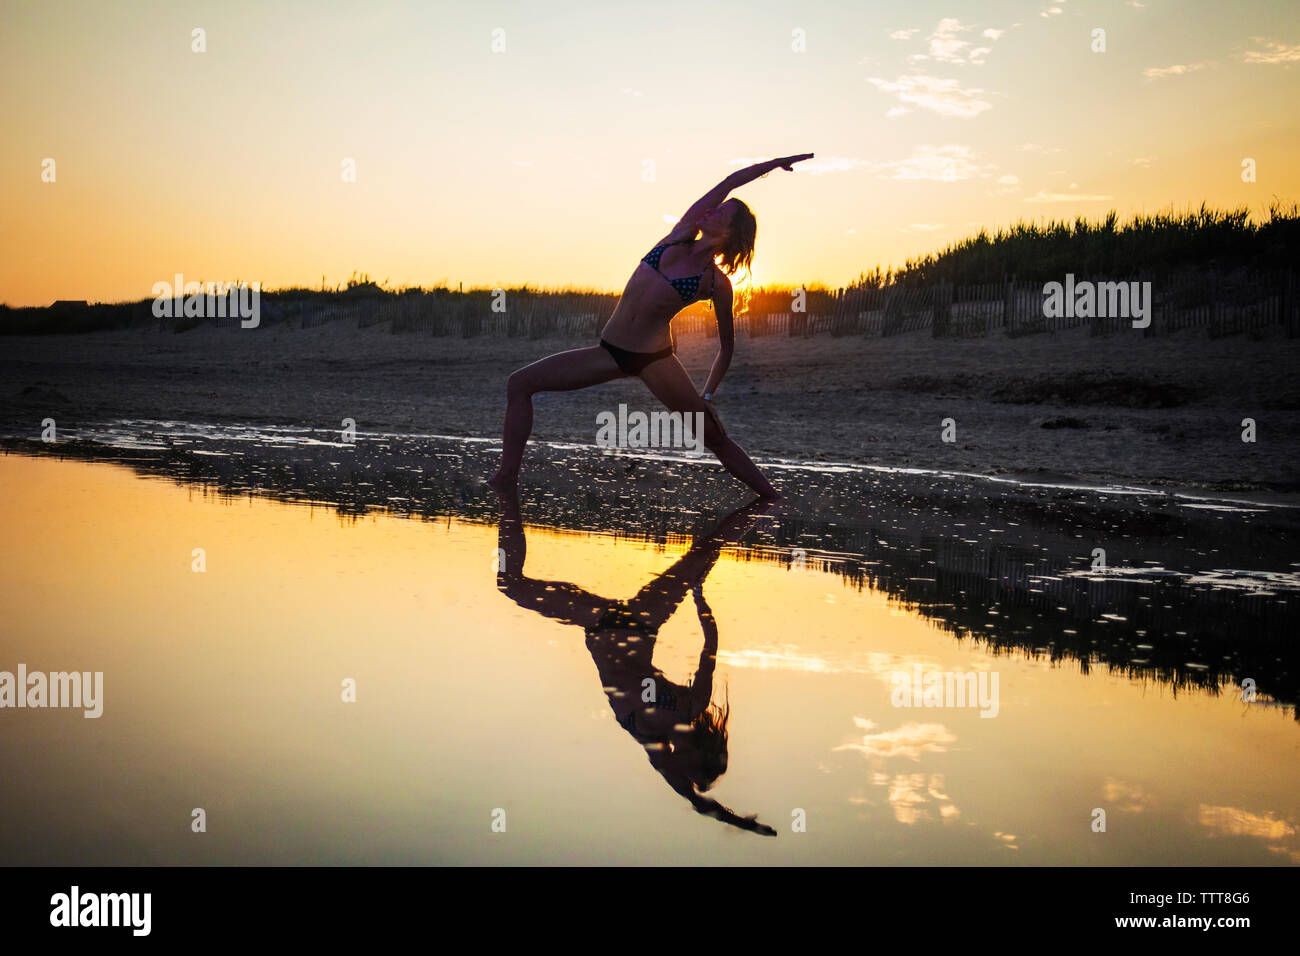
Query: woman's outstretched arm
(747, 175)
(714, 197)
(675, 777)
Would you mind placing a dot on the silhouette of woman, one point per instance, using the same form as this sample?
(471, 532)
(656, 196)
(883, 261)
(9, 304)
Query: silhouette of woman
(637, 340)
(683, 731)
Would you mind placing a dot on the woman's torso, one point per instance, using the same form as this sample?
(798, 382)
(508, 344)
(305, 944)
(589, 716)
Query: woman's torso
(623, 659)
(650, 300)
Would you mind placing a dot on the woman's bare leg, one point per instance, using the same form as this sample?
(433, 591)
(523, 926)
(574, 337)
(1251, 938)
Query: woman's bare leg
(672, 385)
(561, 372)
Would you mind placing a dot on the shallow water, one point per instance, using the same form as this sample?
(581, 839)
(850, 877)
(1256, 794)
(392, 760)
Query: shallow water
(1118, 688)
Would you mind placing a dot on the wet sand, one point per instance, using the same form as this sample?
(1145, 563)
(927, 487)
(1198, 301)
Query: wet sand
(1164, 411)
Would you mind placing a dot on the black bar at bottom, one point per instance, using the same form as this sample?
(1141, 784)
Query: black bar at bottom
(378, 904)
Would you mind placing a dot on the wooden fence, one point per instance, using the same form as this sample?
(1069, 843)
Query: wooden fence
(1220, 304)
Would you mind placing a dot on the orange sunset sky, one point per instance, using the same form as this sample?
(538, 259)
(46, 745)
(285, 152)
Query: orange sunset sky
(501, 143)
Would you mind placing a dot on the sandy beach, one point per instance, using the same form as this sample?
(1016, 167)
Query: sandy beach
(1163, 410)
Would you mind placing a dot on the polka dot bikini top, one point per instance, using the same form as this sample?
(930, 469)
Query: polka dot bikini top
(687, 286)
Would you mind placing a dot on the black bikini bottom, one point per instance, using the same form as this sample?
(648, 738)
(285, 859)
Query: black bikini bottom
(634, 362)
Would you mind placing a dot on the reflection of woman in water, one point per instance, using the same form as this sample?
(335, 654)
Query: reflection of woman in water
(683, 731)
(636, 341)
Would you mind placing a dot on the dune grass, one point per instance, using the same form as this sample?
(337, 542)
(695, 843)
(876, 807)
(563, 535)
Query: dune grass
(1158, 243)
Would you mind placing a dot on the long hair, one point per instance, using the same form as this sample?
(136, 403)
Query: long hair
(709, 737)
(738, 250)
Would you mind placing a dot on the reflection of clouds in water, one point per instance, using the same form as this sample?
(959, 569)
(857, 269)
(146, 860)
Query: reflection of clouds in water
(1233, 821)
(909, 740)
(792, 657)
(916, 796)
(1125, 797)
(784, 659)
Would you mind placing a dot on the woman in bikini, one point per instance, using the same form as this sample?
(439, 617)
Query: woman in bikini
(637, 341)
(683, 731)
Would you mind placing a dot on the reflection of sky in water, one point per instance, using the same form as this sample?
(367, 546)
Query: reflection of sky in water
(222, 692)
(1278, 835)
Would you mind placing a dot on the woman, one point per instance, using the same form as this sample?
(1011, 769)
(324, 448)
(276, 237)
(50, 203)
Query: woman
(683, 732)
(636, 340)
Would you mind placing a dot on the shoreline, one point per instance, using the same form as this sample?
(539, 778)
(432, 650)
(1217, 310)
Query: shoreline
(1163, 412)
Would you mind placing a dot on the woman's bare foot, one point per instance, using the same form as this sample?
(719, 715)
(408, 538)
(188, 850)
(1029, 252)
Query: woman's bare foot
(764, 488)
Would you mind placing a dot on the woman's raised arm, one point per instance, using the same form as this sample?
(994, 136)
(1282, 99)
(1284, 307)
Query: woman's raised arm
(715, 196)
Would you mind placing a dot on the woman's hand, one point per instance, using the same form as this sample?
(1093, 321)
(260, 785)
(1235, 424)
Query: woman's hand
(788, 162)
(757, 171)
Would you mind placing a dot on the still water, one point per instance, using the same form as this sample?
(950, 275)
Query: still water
(500, 654)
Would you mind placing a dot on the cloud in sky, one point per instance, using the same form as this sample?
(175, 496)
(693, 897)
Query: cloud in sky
(948, 163)
(831, 164)
(951, 163)
(947, 46)
(904, 34)
(1038, 148)
(1044, 196)
(1177, 69)
(1006, 186)
(942, 96)
(1273, 52)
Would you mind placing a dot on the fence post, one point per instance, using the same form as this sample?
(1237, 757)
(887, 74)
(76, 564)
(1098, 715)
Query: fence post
(1008, 284)
(1214, 326)
(941, 310)
(1288, 305)
(798, 324)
